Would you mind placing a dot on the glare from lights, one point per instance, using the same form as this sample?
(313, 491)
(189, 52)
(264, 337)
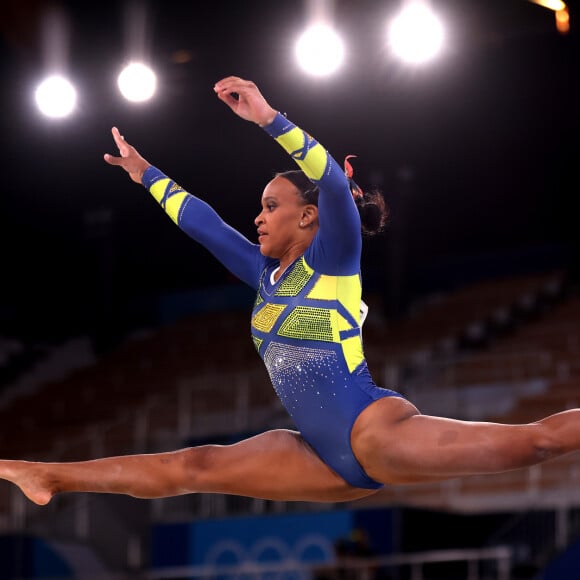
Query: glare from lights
(560, 11)
(562, 21)
(319, 50)
(416, 35)
(137, 82)
(550, 4)
(56, 97)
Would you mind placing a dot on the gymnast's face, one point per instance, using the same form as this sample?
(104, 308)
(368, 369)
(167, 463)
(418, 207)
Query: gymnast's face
(285, 223)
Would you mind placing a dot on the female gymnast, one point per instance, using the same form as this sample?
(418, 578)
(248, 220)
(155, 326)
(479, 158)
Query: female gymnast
(353, 436)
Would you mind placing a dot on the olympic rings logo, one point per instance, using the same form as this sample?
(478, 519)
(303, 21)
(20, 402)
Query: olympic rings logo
(310, 548)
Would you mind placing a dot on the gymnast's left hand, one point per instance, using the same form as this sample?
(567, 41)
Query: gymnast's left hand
(245, 99)
(130, 159)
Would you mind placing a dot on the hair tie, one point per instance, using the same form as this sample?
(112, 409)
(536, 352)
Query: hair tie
(356, 191)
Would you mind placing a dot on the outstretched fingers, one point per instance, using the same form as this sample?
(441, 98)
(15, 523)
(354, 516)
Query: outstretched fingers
(122, 145)
(130, 159)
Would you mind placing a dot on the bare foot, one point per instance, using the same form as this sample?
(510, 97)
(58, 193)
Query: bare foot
(28, 477)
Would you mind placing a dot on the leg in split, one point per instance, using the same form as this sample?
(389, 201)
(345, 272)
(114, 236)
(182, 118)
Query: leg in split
(396, 444)
(277, 465)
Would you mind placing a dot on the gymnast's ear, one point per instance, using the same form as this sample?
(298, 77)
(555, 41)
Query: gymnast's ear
(309, 215)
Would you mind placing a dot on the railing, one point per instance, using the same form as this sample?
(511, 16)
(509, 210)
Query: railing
(364, 567)
(538, 534)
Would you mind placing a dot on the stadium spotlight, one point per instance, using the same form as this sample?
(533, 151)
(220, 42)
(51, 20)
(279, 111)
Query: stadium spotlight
(416, 34)
(319, 50)
(137, 82)
(56, 97)
(550, 4)
(560, 12)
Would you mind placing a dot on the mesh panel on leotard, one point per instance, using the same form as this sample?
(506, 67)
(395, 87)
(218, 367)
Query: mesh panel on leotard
(305, 321)
(296, 279)
(267, 316)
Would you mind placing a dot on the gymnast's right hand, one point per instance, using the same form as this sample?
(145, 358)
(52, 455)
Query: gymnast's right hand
(130, 159)
(245, 100)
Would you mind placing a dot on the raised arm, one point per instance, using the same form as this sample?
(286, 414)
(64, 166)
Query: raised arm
(194, 216)
(338, 243)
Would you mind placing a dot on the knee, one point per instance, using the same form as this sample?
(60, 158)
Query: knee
(547, 445)
(199, 466)
(559, 434)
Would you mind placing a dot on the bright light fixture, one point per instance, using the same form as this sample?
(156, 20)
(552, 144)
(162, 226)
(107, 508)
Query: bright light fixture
(550, 4)
(319, 51)
(416, 35)
(56, 97)
(137, 82)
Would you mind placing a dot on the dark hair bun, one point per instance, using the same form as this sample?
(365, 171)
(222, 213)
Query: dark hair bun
(373, 213)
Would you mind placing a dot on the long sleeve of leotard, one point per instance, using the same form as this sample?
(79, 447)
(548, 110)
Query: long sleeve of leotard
(202, 223)
(337, 246)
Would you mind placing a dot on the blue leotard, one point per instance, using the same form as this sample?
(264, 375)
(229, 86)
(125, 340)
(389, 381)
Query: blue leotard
(305, 325)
